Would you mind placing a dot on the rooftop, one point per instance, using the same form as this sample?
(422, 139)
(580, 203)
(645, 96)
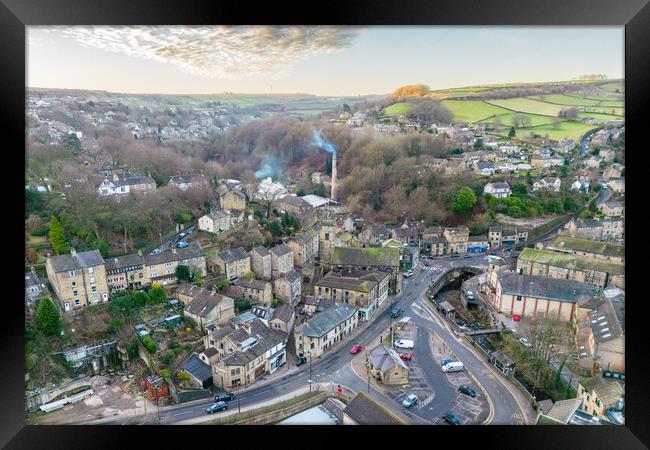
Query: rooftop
(370, 256)
(571, 262)
(280, 250)
(76, 260)
(365, 411)
(609, 391)
(542, 287)
(355, 281)
(233, 255)
(384, 358)
(324, 322)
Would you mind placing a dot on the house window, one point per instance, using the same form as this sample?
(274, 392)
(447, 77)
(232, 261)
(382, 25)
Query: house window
(75, 293)
(76, 302)
(71, 273)
(90, 270)
(311, 345)
(94, 288)
(74, 284)
(519, 298)
(92, 280)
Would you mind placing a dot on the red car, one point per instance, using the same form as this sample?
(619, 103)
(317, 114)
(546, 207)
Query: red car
(516, 318)
(356, 348)
(406, 356)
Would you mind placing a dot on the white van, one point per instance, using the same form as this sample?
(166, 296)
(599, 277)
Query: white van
(454, 366)
(404, 343)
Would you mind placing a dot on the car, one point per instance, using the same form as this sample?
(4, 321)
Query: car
(455, 255)
(404, 343)
(467, 390)
(218, 406)
(224, 397)
(356, 348)
(516, 318)
(155, 251)
(395, 313)
(410, 401)
(451, 419)
(525, 342)
(182, 235)
(300, 360)
(446, 361)
(406, 356)
(467, 256)
(183, 245)
(460, 322)
(408, 274)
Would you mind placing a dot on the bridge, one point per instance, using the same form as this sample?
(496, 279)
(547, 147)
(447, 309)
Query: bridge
(452, 274)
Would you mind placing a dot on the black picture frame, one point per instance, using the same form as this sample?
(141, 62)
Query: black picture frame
(16, 14)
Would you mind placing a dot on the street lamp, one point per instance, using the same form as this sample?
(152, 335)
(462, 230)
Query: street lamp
(368, 371)
(309, 353)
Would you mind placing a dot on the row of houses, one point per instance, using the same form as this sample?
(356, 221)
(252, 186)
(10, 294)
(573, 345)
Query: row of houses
(82, 279)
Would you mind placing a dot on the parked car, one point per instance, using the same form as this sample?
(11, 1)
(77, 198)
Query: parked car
(356, 348)
(218, 406)
(404, 343)
(396, 312)
(451, 419)
(410, 401)
(516, 318)
(183, 245)
(454, 366)
(467, 256)
(300, 360)
(467, 390)
(182, 235)
(525, 342)
(406, 356)
(446, 361)
(224, 397)
(455, 255)
(408, 274)
(155, 251)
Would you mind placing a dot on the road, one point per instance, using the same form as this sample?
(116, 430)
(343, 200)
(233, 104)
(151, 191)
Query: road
(167, 245)
(584, 143)
(336, 366)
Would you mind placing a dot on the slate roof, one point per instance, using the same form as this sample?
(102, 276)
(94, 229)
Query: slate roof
(280, 250)
(129, 179)
(499, 185)
(355, 281)
(181, 254)
(293, 200)
(365, 411)
(217, 214)
(205, 302)
(262, 313)
(384, 358)
(283, 312)
(124, 261)
(265, 338)
(546, 288)
(233, 255)
(197, 368)
(292, 276)
(370, 256)
(305, 237)
(251, 284)
(210, 352)
(589, 246)
(609, 391)
(605, 324)
(262, 251)
(321, 323)
(65, 263)
(571, 262)
(563, 410)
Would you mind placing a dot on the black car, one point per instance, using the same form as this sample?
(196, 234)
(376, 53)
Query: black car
(467, 390)
(451, 419)
(218, 406)
(396, 312)
(224, 397)
(300, 360)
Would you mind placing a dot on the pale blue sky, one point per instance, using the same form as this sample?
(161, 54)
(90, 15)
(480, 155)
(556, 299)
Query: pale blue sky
(321, 61)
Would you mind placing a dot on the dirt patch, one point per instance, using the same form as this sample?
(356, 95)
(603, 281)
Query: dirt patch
(524, 223)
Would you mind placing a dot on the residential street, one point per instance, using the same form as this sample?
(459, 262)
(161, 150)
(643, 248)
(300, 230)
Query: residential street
(335, 367)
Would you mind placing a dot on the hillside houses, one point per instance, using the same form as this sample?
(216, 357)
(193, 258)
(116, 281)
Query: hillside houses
(124, 183)
(184, 182)
(233, 263)
(498, 190)
(550, 184)
(215, 221)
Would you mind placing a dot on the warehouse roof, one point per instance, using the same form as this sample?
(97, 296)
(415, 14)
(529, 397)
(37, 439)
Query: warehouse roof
(546, 288)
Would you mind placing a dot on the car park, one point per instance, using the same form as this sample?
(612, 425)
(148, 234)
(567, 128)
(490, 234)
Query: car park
(406, 356)
(224, 397)
(451, 419)
(404, 343)
(467, 390)
(356, 348)
(218, 406)
(410, 401)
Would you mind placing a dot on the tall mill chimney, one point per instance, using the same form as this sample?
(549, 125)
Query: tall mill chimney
(333, 195)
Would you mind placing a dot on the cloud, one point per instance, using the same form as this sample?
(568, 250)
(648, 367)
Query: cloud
(218, 51)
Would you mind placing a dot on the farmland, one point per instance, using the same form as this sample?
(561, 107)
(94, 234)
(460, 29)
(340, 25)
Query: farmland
(527, 105)
(398, 109)
(472, 110)
(508, 119)
(564, 130)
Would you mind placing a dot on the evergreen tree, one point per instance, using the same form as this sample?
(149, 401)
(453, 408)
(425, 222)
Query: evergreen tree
(57, 240)
(183, 273)
(512, 132)
(48, 317)
(464, 200)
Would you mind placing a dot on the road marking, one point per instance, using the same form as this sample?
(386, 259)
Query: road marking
(181, 413)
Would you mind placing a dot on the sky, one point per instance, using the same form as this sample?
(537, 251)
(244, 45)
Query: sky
(332, 61)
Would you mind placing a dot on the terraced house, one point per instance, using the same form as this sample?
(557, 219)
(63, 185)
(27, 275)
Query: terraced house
(557, 265)
(305, 247)
(233, 263)
(365, 290)
(126, 273)
(78, 279)
(281, 260)
(245, 353)
(288, 288)
(317, 335)
(261, 262)
(257, 291)
(161, 268)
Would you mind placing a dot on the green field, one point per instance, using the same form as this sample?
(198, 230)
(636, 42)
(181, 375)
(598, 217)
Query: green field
(507, 119)
(565, 130)
(398, 109)
(567, 100)
(472, 110)
(528, 105)
(604, 110)
(598, 116)
(613, 86)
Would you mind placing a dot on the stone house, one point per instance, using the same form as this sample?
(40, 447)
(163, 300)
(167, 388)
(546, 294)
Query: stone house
(233, 263)
(261, 262)
(387, 367)
(257, 291)
(599, 394)
(78, 279)
(208, 308)
(380, 259)
(233, 199)
(611, 208)
(498, 189)
(317, 335)
(215, 221)
(365, 290)
(283, 318)
(288, 287)
(304, 247)
(281, 260)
